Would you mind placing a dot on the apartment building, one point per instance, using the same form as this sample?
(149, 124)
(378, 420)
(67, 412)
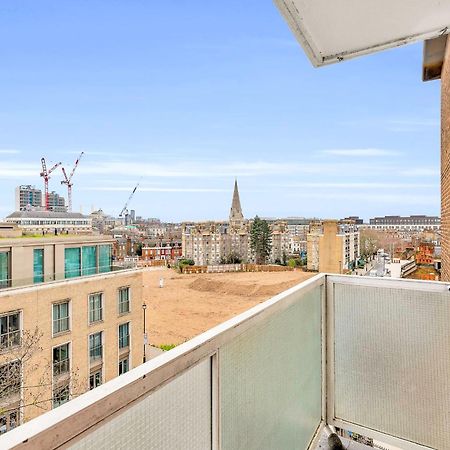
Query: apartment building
(27, 197)
(56, 202)
(27, 260)
(62, 338)
(332, 247)
(408, 223)
(39, 222)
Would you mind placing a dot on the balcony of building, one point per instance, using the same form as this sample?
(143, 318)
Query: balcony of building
(370, 356)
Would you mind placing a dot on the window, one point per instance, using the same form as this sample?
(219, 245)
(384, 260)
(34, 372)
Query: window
(95, 379)
(72, 262)
(89, 260)
(38, 265)
(123, 366)
(124, 335)
(60, 395)
(124, 300)
(104, 258)
(61, 360)
(4, 270)
(10, 376)
(9, 420)
(95, 346)
(61, 317)
(9, 330)
(95, 307)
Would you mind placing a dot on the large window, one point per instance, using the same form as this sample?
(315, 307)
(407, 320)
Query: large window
(4, 270)
(124, 365)
(124, 335)
(89, 260)
(61, 395)
(61, 360)
(9, 330)
(38, 265)
(104, 259)
(61, 317)
(95, 346)
(124, 300)
(95, 307)
(72, 262)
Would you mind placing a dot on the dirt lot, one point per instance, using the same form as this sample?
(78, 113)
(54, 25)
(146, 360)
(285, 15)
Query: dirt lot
(187, 305)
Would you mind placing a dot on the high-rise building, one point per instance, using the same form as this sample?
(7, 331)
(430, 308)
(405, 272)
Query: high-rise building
(56, 202)
(27, 197)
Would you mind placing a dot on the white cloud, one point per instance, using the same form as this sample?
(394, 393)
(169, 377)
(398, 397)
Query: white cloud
(150, 189)
(361, 152)
(7, 151)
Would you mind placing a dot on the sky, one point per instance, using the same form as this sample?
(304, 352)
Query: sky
(185, 96)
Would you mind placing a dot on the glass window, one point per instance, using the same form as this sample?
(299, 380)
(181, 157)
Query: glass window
(95, 379)
(61, 361)
(95, 307)
(72, 262)
(9, 420)
(61, 395)
(123, 366)
(9, 330)
(10, 376)
(38, 265)
(60, 317)
(4, 270)
(104, 259)
(89, 260)
(124, 300)
(124, 335)
(95, 346)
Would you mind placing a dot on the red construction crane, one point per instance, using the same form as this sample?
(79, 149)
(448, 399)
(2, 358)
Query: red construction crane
(68, 181)
(46, 175)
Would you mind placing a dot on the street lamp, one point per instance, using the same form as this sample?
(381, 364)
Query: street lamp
(144, 307)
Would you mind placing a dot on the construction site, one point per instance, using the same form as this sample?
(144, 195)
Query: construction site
(189, 304)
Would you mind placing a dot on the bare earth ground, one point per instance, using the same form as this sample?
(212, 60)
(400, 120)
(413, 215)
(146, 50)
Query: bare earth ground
(188, 305)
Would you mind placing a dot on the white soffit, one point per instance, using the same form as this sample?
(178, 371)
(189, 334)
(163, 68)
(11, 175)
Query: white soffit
(332, 30)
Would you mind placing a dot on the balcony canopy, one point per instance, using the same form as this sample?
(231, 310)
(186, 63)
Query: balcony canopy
(332, 31)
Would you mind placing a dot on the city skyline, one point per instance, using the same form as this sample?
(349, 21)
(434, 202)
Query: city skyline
(352, 139)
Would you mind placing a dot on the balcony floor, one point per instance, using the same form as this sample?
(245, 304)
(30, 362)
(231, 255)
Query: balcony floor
(347, 443)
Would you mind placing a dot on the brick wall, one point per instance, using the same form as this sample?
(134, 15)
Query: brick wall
(445, 165)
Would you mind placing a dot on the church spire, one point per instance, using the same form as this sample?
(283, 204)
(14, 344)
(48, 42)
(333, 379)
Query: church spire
(236, 216)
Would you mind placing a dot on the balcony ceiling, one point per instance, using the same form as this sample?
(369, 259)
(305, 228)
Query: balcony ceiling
(330, 31)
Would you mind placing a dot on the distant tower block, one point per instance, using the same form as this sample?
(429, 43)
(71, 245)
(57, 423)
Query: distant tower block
(236, 216)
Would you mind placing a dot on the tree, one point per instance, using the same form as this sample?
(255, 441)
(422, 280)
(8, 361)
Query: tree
(26, 379)
(260, 240)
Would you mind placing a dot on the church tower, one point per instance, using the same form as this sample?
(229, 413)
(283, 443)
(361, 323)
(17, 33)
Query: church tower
(236, 216)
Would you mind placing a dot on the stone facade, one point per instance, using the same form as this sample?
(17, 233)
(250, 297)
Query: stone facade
(34, 307)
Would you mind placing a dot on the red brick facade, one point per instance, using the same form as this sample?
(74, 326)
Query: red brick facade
(445, 164)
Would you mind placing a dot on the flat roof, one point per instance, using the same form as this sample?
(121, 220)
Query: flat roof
(52, 239)
(332, 31)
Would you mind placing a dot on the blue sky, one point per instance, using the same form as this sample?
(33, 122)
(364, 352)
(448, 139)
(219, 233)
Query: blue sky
(184, 96)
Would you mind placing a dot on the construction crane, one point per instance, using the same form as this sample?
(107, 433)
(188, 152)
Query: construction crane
(124, 209)
(68, 181)
(46, 175)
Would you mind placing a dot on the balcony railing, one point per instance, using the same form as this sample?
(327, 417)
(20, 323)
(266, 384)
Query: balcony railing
(371, 356)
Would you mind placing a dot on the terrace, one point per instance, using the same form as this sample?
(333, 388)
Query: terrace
(369, 356)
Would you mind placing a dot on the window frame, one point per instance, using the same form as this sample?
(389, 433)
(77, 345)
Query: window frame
(121, 303)
(9, 333)
(120, 338)
(93, 358)
(68, 359)
(121, 361)
(100, 319)
(69, 317)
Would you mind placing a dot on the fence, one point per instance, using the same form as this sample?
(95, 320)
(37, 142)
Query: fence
(226, 268)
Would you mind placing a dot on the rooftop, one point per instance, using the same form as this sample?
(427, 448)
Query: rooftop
(46, 215)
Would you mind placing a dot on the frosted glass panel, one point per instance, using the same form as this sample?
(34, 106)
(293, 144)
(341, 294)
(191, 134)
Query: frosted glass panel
(175, 417)
(271, 380)
(392, 361)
